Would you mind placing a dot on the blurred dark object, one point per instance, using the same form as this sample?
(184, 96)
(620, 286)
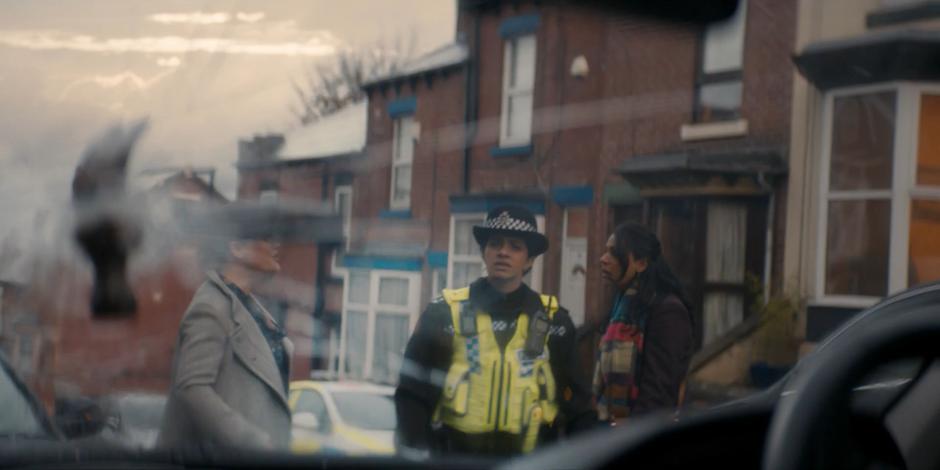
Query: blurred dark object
(109, 242)
(105, 229)
(78, 417)
(689, 11)
(764, 375)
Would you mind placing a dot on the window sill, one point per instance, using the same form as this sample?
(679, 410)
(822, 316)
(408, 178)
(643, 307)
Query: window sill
(513, 151)
(714, 130)
(844, 301)
(395, 214)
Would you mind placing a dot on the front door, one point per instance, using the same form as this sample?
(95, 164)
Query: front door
(574, 263)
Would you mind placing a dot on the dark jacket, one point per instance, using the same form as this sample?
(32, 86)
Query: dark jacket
(428, 357)
(663, 362)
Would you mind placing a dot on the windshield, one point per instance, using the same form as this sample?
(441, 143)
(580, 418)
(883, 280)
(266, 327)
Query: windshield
(518, 220)
(19, 416)
(371, 411)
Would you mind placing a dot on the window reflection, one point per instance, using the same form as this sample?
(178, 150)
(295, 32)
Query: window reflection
(862, 142)
(857, 248)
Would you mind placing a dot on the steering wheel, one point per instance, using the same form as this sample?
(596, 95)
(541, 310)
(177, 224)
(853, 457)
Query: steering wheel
(810, 425)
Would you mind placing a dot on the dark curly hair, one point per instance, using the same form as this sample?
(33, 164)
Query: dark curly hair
(657, 280)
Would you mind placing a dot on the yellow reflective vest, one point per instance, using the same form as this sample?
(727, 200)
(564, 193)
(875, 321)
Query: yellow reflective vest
(489, 390)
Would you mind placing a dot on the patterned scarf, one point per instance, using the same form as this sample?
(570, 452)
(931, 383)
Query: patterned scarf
(615, 386)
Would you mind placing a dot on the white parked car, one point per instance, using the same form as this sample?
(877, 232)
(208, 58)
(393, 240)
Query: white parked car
(348, 417)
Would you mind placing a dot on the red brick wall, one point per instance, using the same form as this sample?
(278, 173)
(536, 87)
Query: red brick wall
(637, 95)
(298, 279)
(437, 165)
(105, 356)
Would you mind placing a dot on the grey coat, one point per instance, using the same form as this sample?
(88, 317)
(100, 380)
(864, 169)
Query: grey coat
(226, 388)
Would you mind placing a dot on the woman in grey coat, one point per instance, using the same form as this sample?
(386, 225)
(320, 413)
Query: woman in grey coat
(232, 363)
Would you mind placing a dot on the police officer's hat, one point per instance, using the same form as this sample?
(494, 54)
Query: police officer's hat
(512, 221)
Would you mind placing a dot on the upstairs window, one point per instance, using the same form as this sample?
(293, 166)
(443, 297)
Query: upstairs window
(718, 93)
(402, 157)
(518, 86)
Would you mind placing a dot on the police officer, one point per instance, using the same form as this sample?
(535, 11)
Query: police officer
(492, 368)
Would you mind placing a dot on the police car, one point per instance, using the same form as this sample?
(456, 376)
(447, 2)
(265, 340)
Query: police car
(344, 417)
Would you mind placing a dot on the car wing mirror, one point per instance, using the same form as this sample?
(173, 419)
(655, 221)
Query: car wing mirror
(79, 417)
(306, 421)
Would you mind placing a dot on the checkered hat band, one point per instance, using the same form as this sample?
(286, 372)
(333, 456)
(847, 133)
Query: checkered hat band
(505, 222)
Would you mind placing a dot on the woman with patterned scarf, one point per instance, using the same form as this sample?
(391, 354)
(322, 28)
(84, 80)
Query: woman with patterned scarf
(644, 354)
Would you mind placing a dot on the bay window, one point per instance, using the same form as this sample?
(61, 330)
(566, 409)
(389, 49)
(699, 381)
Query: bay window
(880, 207)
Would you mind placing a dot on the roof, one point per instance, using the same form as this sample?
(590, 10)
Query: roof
(174, 185)
(340, 133)
(871, 58)
(449, 55)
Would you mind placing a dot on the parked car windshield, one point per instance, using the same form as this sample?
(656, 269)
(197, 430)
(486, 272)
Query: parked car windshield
(139, 411)
(364, 410)
(19, 418)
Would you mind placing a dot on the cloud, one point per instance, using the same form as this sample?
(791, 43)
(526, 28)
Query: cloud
(171, 62)
(250, 17)
(319, 44)
(111, 81)
(202, 18)
(195, 17)
(125, 78)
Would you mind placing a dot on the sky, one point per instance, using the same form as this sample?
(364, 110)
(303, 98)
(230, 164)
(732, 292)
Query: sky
(204, 73)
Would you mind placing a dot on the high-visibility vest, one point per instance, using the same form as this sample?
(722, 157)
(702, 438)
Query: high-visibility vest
(487, 389)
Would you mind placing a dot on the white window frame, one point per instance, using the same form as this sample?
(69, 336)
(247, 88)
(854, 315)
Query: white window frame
(399, 160)
(565, 263)
(373, 308)
(903, 188)
(509, 91)
(536, 272)
(723, 76)
(347, 216)
(452, 257)
(436, 287)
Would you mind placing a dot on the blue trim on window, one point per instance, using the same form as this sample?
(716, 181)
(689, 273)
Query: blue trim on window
(376, 262)
(402, 107)
(573, 195)
(486, 205)
(519, 25)
(398, 214)
(468, 207)
(437, 259)
(517, 151)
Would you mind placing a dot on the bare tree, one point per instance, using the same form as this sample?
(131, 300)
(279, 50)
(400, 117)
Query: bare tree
(327, 87)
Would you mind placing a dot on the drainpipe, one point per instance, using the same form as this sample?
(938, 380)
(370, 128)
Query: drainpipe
(769, 243)
(470, 99)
